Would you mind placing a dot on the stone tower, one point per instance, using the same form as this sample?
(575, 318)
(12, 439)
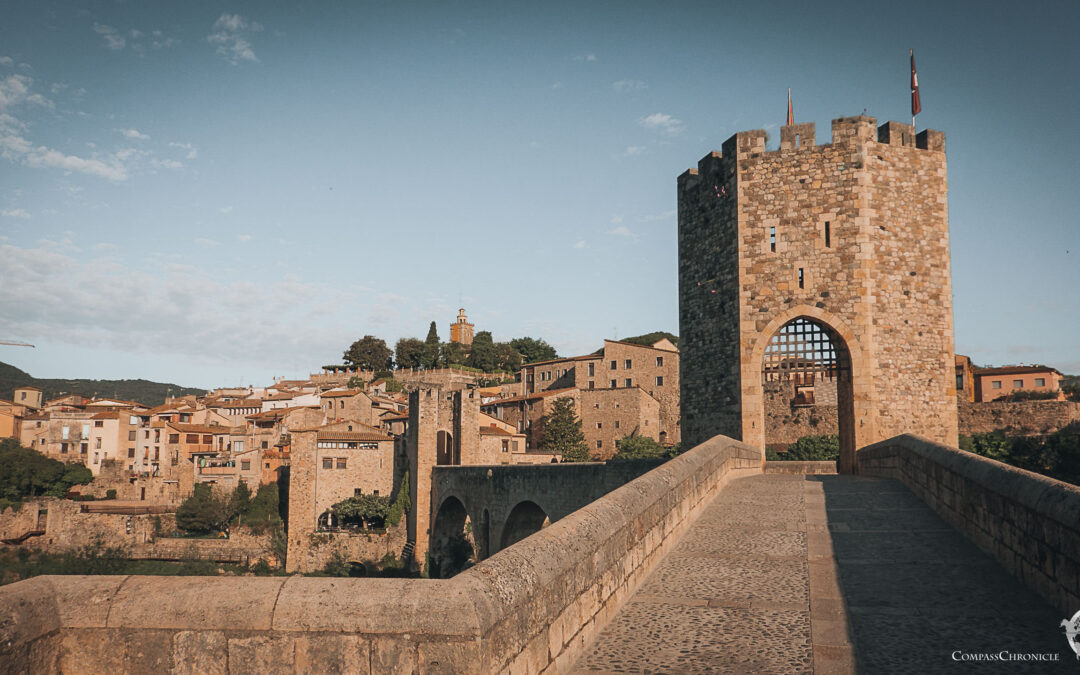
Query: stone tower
(818, 262)
(461, 330)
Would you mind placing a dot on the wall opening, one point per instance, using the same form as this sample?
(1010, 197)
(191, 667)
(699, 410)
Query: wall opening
(807, 383)
(451, 548)
(526, 518)
(828, 235)
(444, 445)
(772, 239)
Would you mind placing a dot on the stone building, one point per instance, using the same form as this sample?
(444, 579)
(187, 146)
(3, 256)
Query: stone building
(654, 368)
(461, 330)
(347, 404)
(825, 259)
(994, 383)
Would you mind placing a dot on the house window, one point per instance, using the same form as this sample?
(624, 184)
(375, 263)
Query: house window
(802, 279)
(85, 431)
(97, 443)
(659, 380)
(342, 404)
(132, 435)
(614, 364)
(828, 235)
(174, 438)
(614, 384)
(64, 433)
(1040, 381)
(629, 382)
(599, 443)
(267, 465)
(995, 384)
(599, 425)
(99, 423)
(357, 492)
(592, 385)
(265, 445)
(592, 369)
(245, 466)
(659, 361)
(238, 446)
(514, 445)
(616, 424)
(82, 448)
(131, 453)
(506, 446)
(627, 364)
(1018, 384)
(63, 447)
(327, 463)
(342, 463)
(208, 439)
(191, 438)
(22, 395)
(772, 239)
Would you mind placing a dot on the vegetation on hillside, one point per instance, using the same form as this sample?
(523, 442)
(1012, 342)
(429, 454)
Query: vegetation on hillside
(643, 447)
(649, 339)
(141, 391)
(1057, 455)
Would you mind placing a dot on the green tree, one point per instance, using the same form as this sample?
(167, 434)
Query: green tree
(506, 357)
(370, 353)
(640, 447)
(356, 382)
(432, 347)
(562, 432)
(482, 352)
(532, 350)
(204, 511)
(810, 448)
(649, 339)
(410, 353)
(453, 353)
(240, 499)
(28, 473)
(363, 511)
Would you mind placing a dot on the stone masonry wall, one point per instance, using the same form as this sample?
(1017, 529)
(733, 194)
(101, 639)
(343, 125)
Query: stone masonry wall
(529, 608)
(1026, 521)
(1024, 418)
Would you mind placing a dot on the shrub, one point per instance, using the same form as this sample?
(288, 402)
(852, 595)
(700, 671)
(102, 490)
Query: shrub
(401, 503)
(809, 449)
(110, 494)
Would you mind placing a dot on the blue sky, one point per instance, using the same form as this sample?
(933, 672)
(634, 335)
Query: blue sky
(216, 193)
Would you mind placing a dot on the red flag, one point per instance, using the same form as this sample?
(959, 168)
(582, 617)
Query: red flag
(790, 111)
(916, 107)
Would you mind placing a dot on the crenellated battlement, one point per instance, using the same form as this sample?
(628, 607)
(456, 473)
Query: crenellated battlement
(846, 131)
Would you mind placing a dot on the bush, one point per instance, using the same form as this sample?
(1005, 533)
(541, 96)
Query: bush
(110, 494)
(1029, 395)
(641, 447)
(809, 449)
(401, 503)
(366, 512)
(203, 511)
(28, 473)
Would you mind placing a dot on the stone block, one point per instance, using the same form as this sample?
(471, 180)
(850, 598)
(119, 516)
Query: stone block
(196, 652)
(332, 654)
(268, 653)
(396, 655)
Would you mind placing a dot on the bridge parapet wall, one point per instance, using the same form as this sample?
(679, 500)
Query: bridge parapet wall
(1027, 522)
(535, 605)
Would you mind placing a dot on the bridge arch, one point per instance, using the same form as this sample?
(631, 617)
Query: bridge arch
(451, 547)
(524, 519)
(796, 337)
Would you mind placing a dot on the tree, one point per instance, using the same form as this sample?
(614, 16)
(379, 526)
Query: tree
(809, 449)
(562, 432)
(28, 473)
(363, 511)
(532, 350)
(640, 447)
(240, 500)
(369, 353)
(203, 511)
(482, 352)
(453, 353)
(506, 357)
(432, 347)
(356, 382)
(410, 353)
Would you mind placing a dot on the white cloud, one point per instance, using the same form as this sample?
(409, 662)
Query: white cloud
(615, 220)
(225, 209)
(166, 164)
(205, 243)
(663, 123)
(628, 86)
(623, 231)
(557, 85)
(15, 213)
(230, 35)
(112, 37)
(243, 238)
(666, 215)
(633, 150)
(6, 61)
(192, 153)
(580, 244)
(585, 57)
(134, 134)
(47, 158)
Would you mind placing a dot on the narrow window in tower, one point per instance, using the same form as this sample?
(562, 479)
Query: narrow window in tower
(801, 279)
(828, 235)
(772, 239)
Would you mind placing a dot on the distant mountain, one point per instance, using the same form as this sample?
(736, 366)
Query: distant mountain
(142, 391)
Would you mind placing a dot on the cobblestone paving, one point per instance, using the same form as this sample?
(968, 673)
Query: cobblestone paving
(826, 574)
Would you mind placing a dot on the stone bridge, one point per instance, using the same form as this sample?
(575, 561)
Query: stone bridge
(926, 560)
(499, 505)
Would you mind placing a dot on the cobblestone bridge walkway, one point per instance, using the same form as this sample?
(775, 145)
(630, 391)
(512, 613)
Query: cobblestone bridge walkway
(826, 574)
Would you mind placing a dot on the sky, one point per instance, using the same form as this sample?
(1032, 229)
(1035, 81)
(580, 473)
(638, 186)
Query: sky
(218, 193)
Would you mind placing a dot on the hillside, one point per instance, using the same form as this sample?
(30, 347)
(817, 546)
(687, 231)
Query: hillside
(142, 391)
